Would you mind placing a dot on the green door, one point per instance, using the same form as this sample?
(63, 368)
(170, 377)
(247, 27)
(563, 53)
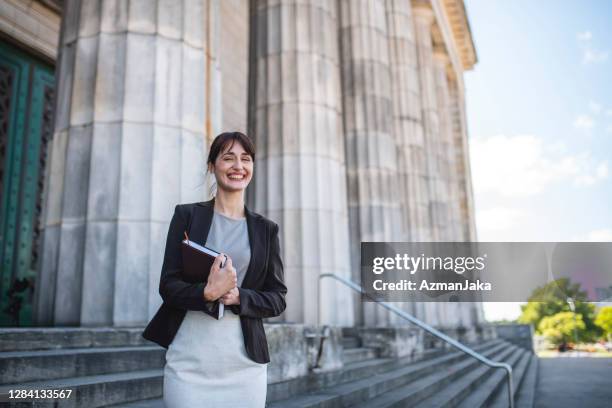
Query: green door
(26, 117)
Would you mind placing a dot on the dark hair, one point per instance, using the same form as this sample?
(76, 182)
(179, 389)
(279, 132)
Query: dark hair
(219, 144)
(222, 140)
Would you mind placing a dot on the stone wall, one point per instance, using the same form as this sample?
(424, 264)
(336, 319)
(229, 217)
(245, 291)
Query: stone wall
(519, 334)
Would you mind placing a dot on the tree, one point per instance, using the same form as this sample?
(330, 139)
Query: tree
(552, 298)
(560, 328)
(604, 320)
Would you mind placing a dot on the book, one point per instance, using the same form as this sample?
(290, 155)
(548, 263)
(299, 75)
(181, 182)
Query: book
(197, 261)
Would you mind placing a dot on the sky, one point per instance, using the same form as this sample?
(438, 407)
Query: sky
(539, 108)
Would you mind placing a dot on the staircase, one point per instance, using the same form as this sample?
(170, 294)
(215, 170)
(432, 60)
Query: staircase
(439, 379)
(118, 367)
(103, 366)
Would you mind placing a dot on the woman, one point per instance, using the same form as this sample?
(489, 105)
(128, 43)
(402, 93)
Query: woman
(210, 362)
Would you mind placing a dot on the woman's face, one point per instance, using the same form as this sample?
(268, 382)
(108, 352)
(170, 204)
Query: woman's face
(233, 168)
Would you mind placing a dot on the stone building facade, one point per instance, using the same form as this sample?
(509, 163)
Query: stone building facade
(357, 108)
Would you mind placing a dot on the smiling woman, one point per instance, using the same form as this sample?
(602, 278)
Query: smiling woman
(210, 362)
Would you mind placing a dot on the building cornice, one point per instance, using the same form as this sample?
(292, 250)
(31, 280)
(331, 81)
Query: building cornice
(462, 34)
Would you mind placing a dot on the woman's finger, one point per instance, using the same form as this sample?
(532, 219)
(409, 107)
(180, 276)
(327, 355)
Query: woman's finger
(218, 260)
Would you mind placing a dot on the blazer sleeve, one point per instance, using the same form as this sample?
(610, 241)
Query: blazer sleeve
(270, 300)
(173, 290)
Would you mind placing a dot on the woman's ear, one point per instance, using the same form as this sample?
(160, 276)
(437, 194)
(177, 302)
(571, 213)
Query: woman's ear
(210, 168)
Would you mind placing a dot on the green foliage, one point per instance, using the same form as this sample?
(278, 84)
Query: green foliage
(604, 320)
(551, 299)
(560, 328)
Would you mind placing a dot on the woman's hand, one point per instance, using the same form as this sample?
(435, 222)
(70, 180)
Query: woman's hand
(231, 298)
(220, 280)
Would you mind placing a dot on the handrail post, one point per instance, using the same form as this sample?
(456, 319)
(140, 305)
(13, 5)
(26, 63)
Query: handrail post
(434, 332)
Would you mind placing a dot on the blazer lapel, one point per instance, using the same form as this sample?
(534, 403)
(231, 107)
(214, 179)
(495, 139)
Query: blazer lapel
(201, 228)
(257, 250)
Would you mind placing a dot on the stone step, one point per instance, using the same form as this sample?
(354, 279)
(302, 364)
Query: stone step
(351, 372)
(370, 368)
(287, 389)
(150, 403)
(475, 384)
(427, 386)
(99, 390)
(526, 393)
(500, 397)
(353, 355)
(47, 338)
(377, 384)
(27, 366)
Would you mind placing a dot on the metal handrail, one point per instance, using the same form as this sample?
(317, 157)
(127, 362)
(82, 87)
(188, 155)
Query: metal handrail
(430, 330)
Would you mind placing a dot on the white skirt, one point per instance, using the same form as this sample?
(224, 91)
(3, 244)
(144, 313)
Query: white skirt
(207, 366)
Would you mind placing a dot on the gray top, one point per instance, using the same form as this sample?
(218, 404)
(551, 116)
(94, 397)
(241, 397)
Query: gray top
(230, 236)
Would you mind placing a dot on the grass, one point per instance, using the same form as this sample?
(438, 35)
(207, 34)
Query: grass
(555, 353)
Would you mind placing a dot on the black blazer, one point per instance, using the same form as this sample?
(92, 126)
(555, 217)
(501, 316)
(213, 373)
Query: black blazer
(262, 293)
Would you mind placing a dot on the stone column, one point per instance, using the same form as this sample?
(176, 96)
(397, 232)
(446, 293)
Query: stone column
(446, 163)
(472, 313)
(462, 162)
(407, 127)
(300, 165)
(372, 169)
(136, 103)
(408, 121)
(423, 20)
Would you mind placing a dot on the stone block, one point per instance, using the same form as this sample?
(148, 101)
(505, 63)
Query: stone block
(393, 341)
(54, 183)
(331, 355)
(193, 89)
(170, 18)
(157, 245)
(165, 172)
(103, 181)
(288, 357)
(194, 30)
(142, 17)
(70, 21)
(68, 292)
(139, 78)
(168, 82)
(64, 78)
(76, 175)
(135, 178)
(110, 76)
(193, 166)
(114, 16)
(81, 105)
(46, 277)
(99, 273)
(89, 20)
(518, 334)
(131, 300)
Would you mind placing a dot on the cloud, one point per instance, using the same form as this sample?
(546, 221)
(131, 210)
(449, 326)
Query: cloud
(584, 122)
(595, 107)
(600, 173)
(524, 165)
(609, 129)
(591, 55)
(609, 112)
(600, 235)
(498, 218)
(584, 36)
